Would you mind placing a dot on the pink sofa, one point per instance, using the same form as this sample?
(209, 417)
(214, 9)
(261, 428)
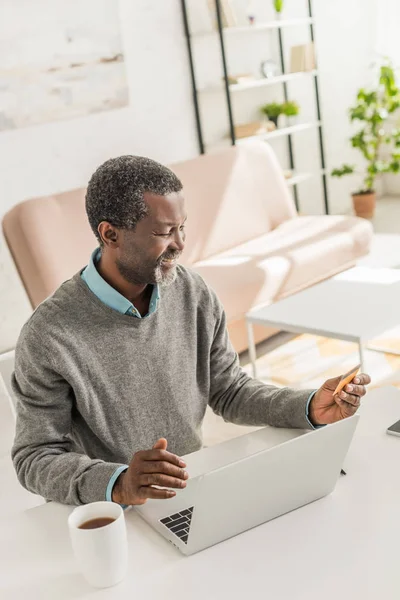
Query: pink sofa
(243, 235)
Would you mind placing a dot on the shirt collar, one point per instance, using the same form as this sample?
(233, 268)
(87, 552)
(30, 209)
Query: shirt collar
(109, 295)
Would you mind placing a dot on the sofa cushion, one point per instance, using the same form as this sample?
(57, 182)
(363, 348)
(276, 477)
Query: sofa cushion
(296, 254)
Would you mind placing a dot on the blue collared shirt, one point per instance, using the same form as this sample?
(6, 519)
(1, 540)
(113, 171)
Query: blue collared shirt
(109, 296)
(113, 299)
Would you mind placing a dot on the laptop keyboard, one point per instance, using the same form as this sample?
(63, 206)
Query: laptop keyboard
(179, 523)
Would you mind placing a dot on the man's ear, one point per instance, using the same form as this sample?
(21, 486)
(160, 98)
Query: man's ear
(108, 234)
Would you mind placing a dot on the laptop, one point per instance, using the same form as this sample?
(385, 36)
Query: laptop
(246, 481)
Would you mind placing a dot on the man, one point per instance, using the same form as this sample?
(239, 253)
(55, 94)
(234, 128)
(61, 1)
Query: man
(126, 355)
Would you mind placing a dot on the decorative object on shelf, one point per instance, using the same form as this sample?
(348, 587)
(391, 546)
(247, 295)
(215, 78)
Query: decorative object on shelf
(290, 110)
(228, 15)
(255, 128)
(250, 12)
(302, 58)
(269, 69)
(378, 139)
(272, 111)
(240, 78)
(275, 109)
(278, 5)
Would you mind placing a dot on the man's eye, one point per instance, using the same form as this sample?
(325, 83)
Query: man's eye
(164, 234)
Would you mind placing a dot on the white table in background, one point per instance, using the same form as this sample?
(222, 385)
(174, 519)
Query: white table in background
(343, 546)
(356, 306)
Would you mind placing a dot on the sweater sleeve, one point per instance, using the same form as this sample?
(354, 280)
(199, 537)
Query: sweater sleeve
(42, 453)
(243, 400)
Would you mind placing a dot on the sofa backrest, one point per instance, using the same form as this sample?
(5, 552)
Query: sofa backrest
(50, 239)
(231, 197)
(15, 307)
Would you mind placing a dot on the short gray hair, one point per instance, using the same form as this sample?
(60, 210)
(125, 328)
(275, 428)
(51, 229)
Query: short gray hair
(116, 188)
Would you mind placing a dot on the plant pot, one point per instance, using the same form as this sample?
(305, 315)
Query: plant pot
(274, 120)
(364, 204)
(290, 121)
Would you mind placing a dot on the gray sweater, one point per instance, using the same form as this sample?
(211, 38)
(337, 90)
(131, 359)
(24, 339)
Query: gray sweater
(94, 386)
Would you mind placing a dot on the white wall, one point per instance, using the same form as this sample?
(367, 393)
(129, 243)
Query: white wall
(388, 45)
(160, 120)
(347, 43)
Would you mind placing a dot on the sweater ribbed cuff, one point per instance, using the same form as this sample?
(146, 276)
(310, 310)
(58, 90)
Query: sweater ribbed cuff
(95, 481)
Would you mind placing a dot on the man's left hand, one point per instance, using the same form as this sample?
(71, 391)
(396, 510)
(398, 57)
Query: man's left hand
(326, 408)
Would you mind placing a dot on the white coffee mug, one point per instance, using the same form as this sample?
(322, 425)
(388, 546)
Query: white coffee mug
(101, 553)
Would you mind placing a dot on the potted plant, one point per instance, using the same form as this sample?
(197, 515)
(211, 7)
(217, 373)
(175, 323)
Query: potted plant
(272, 111)
(290, 109)
(278, 5)
(378, 139)
(275, 109)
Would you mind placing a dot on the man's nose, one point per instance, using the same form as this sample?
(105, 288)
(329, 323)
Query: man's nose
(178, 241)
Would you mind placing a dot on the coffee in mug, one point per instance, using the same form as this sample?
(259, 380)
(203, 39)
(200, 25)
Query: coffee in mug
(96, 523)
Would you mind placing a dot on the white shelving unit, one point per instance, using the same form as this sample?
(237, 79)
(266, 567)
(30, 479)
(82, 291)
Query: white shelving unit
(231, 89)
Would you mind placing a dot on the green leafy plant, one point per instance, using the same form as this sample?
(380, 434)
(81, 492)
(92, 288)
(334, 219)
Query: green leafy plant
(272, 110)
(275, 109)
(377, 140)
(278, 5)
(290, 109)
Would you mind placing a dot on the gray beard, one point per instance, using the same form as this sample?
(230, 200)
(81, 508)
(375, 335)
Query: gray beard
(164, 280)
(157, 277)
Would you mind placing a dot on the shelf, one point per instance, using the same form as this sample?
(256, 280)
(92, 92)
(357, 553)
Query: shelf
(291, 181)
(258, 83)
(278, 24)
(277, 133)
(270, 25)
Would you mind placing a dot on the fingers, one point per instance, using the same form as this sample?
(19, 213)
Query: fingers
(348, 399)
(356, 390)
(163, 467)
(161, 455)
(362, 379)
(160, 444)
(151, 492)
(161, 480)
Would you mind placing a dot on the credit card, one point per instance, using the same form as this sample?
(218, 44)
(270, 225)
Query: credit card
(346, 378)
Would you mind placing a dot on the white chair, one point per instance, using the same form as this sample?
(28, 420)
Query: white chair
(6, 370)
(7, 406)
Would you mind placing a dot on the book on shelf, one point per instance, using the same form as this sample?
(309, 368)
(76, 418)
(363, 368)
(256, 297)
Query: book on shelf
(302, 58)
(228, 14)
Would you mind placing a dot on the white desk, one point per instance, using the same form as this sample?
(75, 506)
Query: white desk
(343, 546)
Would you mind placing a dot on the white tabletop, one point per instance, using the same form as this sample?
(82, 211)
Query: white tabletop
(355, 305)
(343, 546)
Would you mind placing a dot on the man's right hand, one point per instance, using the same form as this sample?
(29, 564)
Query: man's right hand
(149, 468)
